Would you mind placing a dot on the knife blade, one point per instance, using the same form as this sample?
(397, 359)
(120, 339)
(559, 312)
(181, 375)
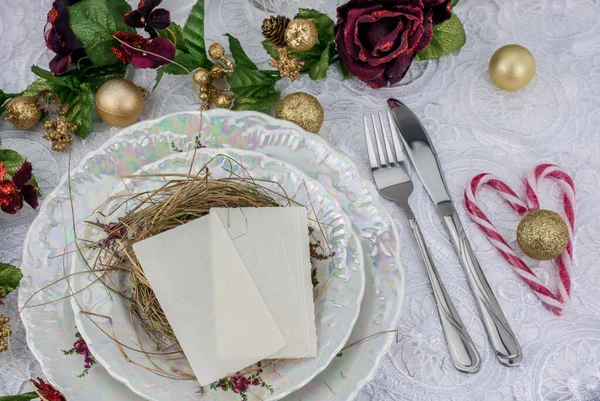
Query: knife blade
(424, 158)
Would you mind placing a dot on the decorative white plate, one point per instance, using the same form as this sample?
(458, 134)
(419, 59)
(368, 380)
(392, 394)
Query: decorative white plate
(51, 327)
(336, 309)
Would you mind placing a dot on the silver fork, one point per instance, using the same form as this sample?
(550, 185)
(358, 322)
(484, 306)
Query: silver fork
(394, 184)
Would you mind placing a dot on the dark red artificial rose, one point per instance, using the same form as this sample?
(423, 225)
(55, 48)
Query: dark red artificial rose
(61, 39)
(377, 40)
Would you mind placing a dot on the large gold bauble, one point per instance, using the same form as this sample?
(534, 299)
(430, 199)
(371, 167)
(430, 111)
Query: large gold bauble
(302, 109)
(301, 35)
(512, 67)
(542, 235)
(23, 112)
(119, 102)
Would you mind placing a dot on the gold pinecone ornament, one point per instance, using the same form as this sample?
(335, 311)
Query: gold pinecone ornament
(273, 29)
(23, 112)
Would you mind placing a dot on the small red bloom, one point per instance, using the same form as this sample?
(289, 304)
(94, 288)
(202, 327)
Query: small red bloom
(149, 17)
(13, 192)
(47, 391)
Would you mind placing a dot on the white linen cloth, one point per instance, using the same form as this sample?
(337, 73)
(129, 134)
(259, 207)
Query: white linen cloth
(475, 128)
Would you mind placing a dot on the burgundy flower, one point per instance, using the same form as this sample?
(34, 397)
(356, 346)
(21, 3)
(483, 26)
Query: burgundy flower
(13, 192)
(142, 58)
(48, 392)
(377, 40)
(240, 384)
(149, 17)
(61, 39)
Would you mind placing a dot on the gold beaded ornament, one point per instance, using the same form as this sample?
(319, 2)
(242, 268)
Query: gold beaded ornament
(205, 78)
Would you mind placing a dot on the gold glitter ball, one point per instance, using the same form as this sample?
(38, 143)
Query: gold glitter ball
(542, 235)
(301, 35)
(202, 76)
(119, 102)
(512, 67)
(23, 112)
(216, 51)
(302, 109)
(222, 100)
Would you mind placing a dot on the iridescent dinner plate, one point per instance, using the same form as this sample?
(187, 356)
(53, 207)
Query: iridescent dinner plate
(340, 289)
(50, 325)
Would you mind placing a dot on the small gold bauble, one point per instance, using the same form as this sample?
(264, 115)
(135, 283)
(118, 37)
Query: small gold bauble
(202, 76)
(302, 109)
(542, 235)
(216, 51)
(512, 67)
(23, 112)
(222, 100)
(301, 35)
(119, 102)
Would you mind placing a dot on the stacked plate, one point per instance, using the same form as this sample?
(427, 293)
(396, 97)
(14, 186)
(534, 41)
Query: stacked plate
(363, 296)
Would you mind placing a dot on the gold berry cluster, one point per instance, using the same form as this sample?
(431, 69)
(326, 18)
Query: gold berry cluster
(59, 131)
(5, 332)
(205, 78)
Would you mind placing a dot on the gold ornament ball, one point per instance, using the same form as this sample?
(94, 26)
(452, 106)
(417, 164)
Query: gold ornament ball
(216, 51)
(119, 102)
(542, 235)
(202, 76)
(301, 35)
(222, 100)
(23, 112)
(302, 109)
(512, 67)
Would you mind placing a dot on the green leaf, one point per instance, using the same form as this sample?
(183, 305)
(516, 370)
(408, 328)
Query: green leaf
(271, 49)
(159, 75)
(94, 22)
(448, 36)
(37, 86)
(246, 82)
(193, 33)
(322, 21)
(97, 75)
(174, 33)
(256, 104)
(453, 3)
(345, 73)
(239, 55)
(319, 69)
(9, 278)
(21, 397)
(186, 60)
(81, 109)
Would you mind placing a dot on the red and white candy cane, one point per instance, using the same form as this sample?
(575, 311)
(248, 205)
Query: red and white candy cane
(554, 301)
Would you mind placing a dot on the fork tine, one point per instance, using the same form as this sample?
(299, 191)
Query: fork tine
(382, 157)
(370, 148)
(395, 138)
(388, 148)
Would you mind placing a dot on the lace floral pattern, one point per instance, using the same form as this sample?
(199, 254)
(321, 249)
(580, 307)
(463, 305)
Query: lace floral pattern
(476, 128)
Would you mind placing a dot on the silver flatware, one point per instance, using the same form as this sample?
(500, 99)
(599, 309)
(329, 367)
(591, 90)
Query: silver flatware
(423, 157)
(394, 184)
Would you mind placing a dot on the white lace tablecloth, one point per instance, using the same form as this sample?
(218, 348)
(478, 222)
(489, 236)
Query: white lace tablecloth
(476, 128)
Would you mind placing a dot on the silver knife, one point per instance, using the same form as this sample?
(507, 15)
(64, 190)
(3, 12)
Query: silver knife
(423, 157)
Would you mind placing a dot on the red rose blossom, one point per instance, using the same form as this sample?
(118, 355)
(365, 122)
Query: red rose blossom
(377, 40)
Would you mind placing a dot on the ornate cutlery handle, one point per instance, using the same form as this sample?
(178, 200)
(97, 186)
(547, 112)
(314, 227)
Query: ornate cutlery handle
(501, 336)
(462, 349)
